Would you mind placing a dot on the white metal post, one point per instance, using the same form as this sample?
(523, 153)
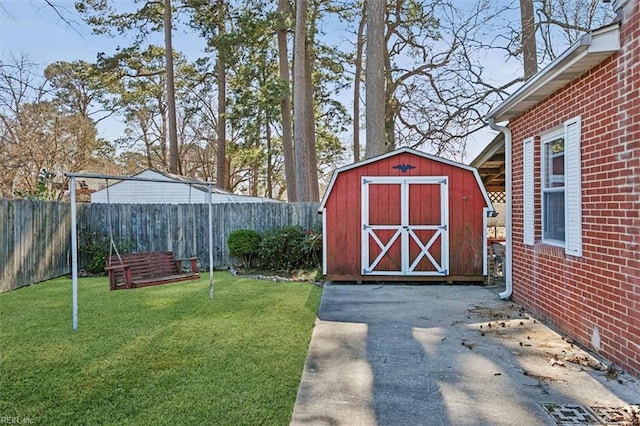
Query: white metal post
(209, 201)
(74, 229)
(74, 256)
(485, 248)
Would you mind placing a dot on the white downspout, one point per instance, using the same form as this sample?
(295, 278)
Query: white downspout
(506, 294)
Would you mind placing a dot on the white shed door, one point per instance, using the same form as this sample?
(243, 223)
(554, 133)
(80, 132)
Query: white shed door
(405, 226)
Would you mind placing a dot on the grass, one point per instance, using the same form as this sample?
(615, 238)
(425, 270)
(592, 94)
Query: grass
(157, 355)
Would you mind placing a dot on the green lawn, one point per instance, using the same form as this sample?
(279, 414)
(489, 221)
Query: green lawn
(156, 355)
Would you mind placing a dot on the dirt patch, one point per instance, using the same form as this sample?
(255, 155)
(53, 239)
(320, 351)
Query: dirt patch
(310, 276)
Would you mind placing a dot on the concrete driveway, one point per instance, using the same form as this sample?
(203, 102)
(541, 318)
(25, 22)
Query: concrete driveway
(449, 355)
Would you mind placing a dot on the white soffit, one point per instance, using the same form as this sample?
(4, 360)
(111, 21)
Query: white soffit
(592, 48)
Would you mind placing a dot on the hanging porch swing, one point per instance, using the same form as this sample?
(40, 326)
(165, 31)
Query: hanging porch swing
(143, 269)
(126, 261)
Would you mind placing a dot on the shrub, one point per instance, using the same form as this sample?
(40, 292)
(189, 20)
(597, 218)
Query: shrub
(96, 246)
(97, 255)
(244, 243)
(313, 246)
(281, 248)
(289, 248)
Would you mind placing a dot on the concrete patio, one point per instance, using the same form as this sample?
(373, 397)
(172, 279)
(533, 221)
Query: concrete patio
(450, 355)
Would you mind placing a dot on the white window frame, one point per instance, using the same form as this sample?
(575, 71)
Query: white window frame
(570, 132)
(546, 139)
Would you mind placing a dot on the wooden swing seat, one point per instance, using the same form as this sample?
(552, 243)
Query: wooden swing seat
(148, 268)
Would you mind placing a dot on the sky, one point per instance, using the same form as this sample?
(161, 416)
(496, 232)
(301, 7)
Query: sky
(32, 28)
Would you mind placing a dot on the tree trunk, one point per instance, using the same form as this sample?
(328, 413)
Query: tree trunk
(374, 80)
(390, 105)
(529, 52)
(285, 103)
(300, 94)
(269, 186)
(171, 95)
(357, 80)
(310, 128)
(164, 138)
(222, 175)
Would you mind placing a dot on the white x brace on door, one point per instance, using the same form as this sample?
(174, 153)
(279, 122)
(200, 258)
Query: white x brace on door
(405, 226)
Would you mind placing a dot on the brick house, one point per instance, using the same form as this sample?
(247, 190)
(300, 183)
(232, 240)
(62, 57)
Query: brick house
(573, 190)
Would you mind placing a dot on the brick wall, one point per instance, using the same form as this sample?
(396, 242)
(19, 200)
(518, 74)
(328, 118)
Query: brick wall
(602, 288)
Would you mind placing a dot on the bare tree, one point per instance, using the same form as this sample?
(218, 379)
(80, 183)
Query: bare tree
(42, 135)
(438, 86)
(557, 24)
(437, 90)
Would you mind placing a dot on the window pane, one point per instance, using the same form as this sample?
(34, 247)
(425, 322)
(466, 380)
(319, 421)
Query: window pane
(554, 163)
(554, 216)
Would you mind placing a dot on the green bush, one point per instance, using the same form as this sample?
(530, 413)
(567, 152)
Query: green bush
(97, 254)
(289, 248)
(97, 245)
(313, 246)
(244, 243)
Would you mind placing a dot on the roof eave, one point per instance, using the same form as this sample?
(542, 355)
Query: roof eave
(489, 151)
(591, 49)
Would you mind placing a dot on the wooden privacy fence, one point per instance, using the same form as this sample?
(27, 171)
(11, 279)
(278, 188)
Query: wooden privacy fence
(183, 228)
(36, 244)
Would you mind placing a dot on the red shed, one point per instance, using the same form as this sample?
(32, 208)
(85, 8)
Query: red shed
(405, 216)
